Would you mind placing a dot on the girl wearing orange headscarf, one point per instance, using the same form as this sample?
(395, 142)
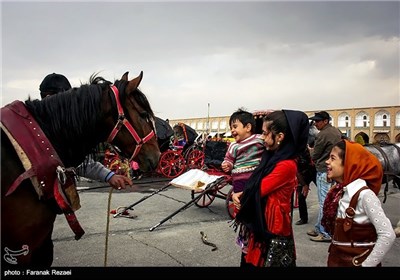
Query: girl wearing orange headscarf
(362, 234)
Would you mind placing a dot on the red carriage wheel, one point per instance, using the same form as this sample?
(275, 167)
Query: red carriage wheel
(206, 199)
(171, 164)
(229, 204)
(209, 196)
(195, 159)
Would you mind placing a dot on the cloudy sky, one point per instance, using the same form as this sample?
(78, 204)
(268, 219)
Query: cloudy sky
(257, 55)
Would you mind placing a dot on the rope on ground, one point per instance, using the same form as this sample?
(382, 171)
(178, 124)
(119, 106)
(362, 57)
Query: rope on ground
(205, 241)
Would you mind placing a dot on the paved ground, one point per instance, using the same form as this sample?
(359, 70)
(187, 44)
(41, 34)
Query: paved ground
(176, 242)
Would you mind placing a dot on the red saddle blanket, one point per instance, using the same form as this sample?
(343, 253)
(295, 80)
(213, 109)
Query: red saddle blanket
(39, 159)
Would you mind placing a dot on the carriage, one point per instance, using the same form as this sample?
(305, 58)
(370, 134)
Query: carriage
(214, 153)
(184, 152)
(206, 181)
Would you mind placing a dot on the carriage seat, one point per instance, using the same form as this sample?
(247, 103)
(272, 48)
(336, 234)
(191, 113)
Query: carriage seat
(214, 153)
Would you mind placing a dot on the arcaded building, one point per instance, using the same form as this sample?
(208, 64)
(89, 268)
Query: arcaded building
(368, 124)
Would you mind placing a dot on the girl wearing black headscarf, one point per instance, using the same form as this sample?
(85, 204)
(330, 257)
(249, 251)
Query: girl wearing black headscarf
(266, 203)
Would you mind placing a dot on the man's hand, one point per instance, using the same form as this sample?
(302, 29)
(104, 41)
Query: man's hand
(119, 181)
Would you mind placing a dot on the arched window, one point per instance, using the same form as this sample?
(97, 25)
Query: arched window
(382, 118)
(397, 119)
(362, 119)
(344, 120)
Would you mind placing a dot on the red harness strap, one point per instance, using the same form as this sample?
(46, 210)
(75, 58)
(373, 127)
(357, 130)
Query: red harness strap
(122, 121)
(43, 158)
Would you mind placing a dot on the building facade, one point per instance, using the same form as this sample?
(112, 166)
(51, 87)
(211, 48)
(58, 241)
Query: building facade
(367, 125)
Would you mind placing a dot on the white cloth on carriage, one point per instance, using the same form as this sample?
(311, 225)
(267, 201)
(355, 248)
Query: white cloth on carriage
(194, 179)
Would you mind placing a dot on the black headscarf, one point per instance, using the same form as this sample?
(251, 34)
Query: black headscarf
(251, 213)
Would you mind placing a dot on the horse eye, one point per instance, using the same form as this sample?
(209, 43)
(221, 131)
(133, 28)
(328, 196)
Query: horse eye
(145, 115)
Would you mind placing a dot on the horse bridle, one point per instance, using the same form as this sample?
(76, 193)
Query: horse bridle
(122, 121)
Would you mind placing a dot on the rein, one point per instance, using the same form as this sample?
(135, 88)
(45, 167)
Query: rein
(122, 121)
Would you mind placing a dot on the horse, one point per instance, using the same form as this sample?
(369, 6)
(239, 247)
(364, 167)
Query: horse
(42, 141)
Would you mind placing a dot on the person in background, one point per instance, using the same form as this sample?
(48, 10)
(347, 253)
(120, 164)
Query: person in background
(55, 83)
(305, 175)
(265, 205)
(242, 157)
(327, 137)
(353, 215)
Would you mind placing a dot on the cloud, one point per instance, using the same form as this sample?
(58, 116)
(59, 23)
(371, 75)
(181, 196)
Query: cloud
(257, 55)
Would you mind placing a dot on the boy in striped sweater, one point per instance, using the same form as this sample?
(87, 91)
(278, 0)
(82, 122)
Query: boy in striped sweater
(242, 157)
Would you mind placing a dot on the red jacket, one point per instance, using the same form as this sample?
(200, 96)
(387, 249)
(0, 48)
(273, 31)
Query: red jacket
(278, 186)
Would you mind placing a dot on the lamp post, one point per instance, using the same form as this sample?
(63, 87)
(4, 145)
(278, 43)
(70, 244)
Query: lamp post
(208, 119)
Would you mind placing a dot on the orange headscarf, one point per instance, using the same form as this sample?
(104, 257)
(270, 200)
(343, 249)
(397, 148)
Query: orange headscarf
(360, 163)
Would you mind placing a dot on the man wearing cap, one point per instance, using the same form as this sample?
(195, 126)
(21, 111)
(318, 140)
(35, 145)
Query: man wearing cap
(327, 137)
(55, 83)
(52, 84)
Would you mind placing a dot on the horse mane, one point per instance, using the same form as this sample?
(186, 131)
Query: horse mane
(68, 117)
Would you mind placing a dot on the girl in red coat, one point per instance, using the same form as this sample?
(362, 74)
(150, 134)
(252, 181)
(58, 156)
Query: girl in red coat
(266, 203)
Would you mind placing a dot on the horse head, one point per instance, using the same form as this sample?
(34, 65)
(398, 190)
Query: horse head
(133, 129)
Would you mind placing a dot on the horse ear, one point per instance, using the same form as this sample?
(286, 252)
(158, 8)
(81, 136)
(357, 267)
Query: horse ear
(133, 84)
(125, 76)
